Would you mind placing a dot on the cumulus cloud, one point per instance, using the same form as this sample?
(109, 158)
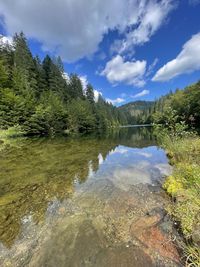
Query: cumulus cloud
(151, 16)
(115, 101)
(74, 29)
(142, 93)
(84, 81)
(5, 40)
(187, 61)
(66, 76)
(117, 70)
(96, 95)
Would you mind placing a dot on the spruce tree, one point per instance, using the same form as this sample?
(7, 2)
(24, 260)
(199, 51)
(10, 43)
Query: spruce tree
(75, 87)
(90, 93)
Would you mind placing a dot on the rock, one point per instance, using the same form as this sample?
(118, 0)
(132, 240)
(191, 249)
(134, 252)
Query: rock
(123, 256)
(196, 234)
(157, 211)
(166, 226)
(144, 223)
(62, 210)
(152, 237)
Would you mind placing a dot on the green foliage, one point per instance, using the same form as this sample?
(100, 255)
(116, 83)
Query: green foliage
(3, 74)
(183, 149)
(183, 105)
(50, 116)
(81, 115)
(75, 87)
(90, 93)
(138, 112)
(37, 96)
(180, 106)
(174, 121)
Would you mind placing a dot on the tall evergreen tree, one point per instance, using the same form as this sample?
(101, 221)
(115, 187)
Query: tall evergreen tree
(23, 60)
(39, 98)
(75, 87)
(90, 93)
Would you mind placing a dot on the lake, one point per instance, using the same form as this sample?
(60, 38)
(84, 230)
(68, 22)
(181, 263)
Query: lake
(94, 200)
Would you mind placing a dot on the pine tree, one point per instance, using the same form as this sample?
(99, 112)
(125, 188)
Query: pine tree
(90, 93)
(23, 61)
(38, 97)
(46, 65)
(75, 87)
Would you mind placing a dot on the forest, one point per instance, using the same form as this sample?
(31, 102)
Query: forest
(182, 106)
(36, 98)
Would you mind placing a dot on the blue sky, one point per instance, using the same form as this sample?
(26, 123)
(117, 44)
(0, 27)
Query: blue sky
(128, 50)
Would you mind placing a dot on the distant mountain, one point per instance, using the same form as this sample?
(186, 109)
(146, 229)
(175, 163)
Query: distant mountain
(136, 110)
(137, 107)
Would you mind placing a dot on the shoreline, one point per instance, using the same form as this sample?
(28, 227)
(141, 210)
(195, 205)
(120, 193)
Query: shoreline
(183, 188)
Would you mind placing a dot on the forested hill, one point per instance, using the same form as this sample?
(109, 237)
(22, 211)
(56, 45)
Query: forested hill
(37, 97)
(137, 111)
(182, 106)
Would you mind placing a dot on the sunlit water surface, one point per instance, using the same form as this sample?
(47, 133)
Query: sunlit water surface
(77, 201)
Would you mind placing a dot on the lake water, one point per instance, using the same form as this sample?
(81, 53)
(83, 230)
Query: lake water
(94, 200)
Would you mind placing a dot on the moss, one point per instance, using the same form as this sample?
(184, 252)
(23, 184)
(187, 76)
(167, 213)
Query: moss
(172, 185)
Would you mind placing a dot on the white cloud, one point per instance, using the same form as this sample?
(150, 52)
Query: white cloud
(142, 93)
(120, 150)
(100, 157)
(115, 101)
(84, 81)
(96, 95)
(151, 67)
(74, 29)
(144, 154)
(187, 61)
(117, 70)
(66, 76)
(151, 16)
(5, 40)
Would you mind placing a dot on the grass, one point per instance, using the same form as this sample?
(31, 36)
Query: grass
(184, 187)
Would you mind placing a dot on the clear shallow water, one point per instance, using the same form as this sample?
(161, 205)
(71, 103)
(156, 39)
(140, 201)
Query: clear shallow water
(80, 201)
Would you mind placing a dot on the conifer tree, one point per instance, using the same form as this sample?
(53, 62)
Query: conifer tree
(75, 87)
(90, 93)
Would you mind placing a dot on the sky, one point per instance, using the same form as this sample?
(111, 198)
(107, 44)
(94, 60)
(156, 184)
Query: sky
(128, 50)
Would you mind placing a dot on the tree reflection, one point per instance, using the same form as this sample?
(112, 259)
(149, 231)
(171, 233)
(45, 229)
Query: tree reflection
(38, 170)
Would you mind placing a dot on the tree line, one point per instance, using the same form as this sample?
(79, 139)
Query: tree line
(36, 95)
(182, 106)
